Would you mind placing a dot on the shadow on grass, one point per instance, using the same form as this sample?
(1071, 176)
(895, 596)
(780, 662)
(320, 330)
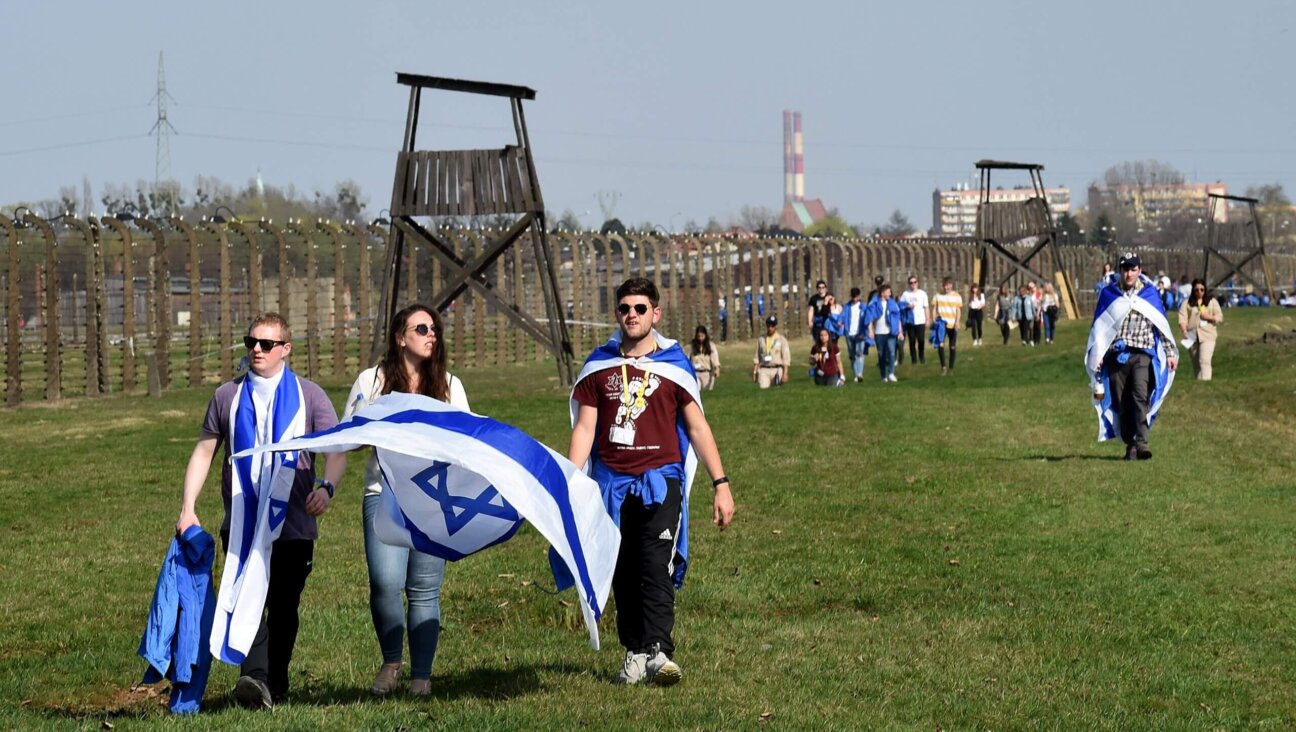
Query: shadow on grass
(1059, 458)
(481, 683)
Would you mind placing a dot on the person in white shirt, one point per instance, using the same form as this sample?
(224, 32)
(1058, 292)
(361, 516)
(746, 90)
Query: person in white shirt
(414, 363)
(976, 313)
(915, 301)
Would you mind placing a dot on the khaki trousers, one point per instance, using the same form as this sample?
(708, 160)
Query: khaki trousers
(766, 376)
(1201, 353)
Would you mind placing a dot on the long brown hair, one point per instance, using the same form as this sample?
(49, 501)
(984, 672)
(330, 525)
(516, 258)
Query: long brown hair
(432, 371)
(701, 346)
(1204, 300)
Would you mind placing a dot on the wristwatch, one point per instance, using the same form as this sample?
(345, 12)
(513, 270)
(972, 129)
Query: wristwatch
(326, 485)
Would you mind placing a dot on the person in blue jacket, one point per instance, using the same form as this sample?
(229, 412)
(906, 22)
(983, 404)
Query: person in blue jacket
(885, 329)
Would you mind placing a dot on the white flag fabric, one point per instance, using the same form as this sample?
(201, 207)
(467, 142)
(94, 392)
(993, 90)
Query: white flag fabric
(259, 493)
(455, 483)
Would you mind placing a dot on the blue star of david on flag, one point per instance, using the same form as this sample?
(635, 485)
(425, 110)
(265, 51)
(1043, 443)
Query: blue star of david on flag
(461, 510)
(455, 483)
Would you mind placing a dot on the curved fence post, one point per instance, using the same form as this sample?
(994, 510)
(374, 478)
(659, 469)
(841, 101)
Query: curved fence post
(13, 311)
(196, 356)
(128, 301)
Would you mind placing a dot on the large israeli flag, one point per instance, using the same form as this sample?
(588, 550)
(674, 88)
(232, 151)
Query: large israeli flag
(455, 483)
(667, 361)
(1114, 305)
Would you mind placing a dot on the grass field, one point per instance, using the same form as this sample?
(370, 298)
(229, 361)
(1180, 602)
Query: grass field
(941, 553)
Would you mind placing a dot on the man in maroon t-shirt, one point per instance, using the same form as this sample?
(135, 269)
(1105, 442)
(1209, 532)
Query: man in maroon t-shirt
(633, 413)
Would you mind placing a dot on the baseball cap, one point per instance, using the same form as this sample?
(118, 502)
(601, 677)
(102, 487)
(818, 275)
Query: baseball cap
(771, 320)
(1129, 260)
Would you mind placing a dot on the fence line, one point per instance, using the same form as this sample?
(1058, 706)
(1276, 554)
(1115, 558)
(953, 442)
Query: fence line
(85, 303)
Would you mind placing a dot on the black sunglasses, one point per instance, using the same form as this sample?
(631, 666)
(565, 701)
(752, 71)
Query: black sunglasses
(423, 329)
(624, 308)
(266, 344)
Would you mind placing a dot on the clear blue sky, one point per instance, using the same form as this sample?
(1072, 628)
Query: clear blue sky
(675, 105)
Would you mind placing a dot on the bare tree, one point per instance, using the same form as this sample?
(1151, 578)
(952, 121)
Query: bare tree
(756, 218)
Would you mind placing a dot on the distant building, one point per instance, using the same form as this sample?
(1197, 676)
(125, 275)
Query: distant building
(954, 210)
(1150, 205)
(800, 215)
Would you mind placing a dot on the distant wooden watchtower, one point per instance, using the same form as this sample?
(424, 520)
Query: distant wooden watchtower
(1213, 247)
(432, 183)
(1004, 222)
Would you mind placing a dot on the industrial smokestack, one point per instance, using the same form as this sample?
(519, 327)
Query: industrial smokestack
(787, 157)
(799, 161)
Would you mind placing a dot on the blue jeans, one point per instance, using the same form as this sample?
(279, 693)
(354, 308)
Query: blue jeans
(886, 346)
(1050, 324)
(857, 347)
(391, 570)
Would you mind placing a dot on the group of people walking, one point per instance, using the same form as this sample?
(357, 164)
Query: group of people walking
(635, 455)
(1032, 311)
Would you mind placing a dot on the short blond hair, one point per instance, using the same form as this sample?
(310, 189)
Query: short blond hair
(271, 318)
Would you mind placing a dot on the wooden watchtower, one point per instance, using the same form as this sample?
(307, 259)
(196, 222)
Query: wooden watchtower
(1212, 247)
(464, 183)
(1000, 223)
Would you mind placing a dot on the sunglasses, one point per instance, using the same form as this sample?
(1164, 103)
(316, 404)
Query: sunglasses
(266, 344)
(423, 329)
(624, 308)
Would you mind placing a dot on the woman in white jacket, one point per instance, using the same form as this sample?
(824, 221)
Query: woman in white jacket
(414, 363)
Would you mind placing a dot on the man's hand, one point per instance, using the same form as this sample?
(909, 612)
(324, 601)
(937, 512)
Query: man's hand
(722, 506)
(318, 502)
(1173, 363)
(187, 518)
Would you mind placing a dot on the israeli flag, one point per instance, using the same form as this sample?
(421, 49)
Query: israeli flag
(1114, 305)
(260, 487)
(455, 483)
(669, 362)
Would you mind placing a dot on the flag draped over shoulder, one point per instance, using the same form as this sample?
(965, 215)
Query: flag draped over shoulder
(260, 487)
(1112, 309)
(670, 362)
(455, 483)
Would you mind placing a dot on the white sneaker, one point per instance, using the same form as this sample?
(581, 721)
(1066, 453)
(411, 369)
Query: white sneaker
(892, 378)
(662, 671)
(634, 670)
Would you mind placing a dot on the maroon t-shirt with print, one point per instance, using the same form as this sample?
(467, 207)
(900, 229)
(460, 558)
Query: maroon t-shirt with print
(648, 407)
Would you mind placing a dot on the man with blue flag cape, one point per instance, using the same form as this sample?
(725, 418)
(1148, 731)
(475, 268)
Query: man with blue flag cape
(1131, 358)
(637, 421)
(271, 503)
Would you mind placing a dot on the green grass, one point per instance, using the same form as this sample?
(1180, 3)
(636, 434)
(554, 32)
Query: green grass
(952, 553)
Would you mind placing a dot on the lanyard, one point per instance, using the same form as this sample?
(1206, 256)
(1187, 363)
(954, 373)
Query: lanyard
(625, 389)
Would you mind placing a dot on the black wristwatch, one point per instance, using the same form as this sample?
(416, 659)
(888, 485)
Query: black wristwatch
(718, 481)
(326, 485)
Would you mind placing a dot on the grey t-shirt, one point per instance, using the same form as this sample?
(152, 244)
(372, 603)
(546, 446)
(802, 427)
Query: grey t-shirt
(320, 415)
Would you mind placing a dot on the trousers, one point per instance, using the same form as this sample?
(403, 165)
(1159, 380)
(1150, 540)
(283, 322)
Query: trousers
(395, 571)
(1130, 391)
(291, 561)
(641, 582)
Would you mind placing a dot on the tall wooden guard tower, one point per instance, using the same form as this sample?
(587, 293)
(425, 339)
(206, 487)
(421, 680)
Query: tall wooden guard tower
(1003, 222)
(1213, 246)
(432, 183)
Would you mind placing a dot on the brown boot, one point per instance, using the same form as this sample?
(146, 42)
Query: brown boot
(386, 680)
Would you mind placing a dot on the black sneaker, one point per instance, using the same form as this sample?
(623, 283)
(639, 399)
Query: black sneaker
(1144, 453)
(250, 693)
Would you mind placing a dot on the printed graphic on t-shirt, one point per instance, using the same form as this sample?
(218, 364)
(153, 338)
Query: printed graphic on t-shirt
(633, 402)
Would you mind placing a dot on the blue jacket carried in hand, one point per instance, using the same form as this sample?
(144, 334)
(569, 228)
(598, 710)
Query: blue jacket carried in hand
(874, 311)
(937, 337)
(180, 620)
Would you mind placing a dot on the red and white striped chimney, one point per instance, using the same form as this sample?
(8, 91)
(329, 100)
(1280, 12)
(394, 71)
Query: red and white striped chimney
(787, 157)
(799, 161)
